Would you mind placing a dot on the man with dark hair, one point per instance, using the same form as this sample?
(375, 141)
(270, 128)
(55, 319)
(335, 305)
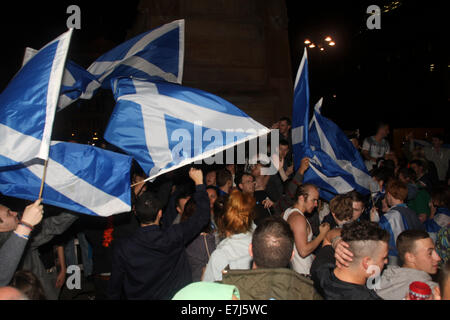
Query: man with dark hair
(275, 185)
(369, 244)
(419, 260)
(284, 125)
(246, 183)
(376, 147)
(418, 197)
(422, 178)
(434, 152)
(271, 248)
(358, 206)
(398, 218)
(307, 196)
(224, 181)
(152, 263)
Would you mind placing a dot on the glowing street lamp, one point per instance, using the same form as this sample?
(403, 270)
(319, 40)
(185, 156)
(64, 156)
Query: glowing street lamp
(328, 39)
(312, 45)
(332, 43)
(307, 41)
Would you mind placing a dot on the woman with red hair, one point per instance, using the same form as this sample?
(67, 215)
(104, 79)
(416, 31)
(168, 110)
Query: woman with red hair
(236, 225)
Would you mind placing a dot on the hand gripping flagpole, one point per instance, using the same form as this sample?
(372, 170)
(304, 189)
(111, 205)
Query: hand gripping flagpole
(54, 87)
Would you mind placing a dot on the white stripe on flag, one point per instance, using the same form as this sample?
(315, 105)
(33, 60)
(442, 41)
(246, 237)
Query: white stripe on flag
(54, 86)
(339, 184)
(99, 67)
(361, 178)
(58, 177)
(297, 135)
(300, 68)
(154, 106)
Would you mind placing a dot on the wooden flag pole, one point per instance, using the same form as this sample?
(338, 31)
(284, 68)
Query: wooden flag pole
(43, 179)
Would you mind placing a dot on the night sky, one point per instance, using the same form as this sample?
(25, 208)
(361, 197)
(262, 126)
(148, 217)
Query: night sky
(375, 74)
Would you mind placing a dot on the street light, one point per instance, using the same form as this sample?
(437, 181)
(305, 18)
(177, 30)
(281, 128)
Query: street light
(321, 44)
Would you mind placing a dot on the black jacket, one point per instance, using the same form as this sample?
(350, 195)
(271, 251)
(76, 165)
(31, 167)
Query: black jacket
(329, 286)
(152, 263)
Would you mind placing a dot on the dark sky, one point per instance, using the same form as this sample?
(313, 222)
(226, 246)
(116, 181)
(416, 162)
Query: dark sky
(375, 74)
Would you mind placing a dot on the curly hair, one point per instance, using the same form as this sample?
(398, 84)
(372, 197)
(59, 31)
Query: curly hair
(342, 207)
(238, 215)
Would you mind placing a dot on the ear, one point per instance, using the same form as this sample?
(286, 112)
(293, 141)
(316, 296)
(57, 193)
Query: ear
(159, 216)
(410, 258)
(292, 255)
(250, 250)
(437, 293)
(240, 186)
(366, 262)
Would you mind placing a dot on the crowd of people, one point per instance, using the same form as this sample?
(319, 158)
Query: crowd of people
(231, 232)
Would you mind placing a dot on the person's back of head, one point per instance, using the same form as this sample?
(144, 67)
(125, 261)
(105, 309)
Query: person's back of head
(272, 244)
(224, 178)
(397, 189)
(29, 284)
(238, 215)
(341, 207)
(148, 208)
(382, 175)
(416, 251)
(369, 245)
(189, 210)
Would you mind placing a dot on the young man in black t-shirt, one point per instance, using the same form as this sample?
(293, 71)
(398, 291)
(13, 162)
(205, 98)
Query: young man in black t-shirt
(369, 244)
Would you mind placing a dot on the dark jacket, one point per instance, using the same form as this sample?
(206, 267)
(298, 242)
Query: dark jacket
(152, 263)
(327, 284)
(264, 284)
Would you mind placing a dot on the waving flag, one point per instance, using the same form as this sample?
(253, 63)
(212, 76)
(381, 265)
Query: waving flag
(28, 104)
(300, 116)
(79, 177)
(156, 55)
(336, 165)
(74, 83)
(165, 126)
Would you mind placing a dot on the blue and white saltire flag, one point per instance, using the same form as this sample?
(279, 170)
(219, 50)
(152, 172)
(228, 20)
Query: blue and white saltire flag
(336, 165)
(74, 83)
(300, 114)
(156, 55)
(79, 177)
(165, 126)
(29, 102)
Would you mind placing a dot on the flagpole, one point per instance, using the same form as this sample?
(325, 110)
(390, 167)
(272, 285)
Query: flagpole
(43, 179)
(58, 75)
